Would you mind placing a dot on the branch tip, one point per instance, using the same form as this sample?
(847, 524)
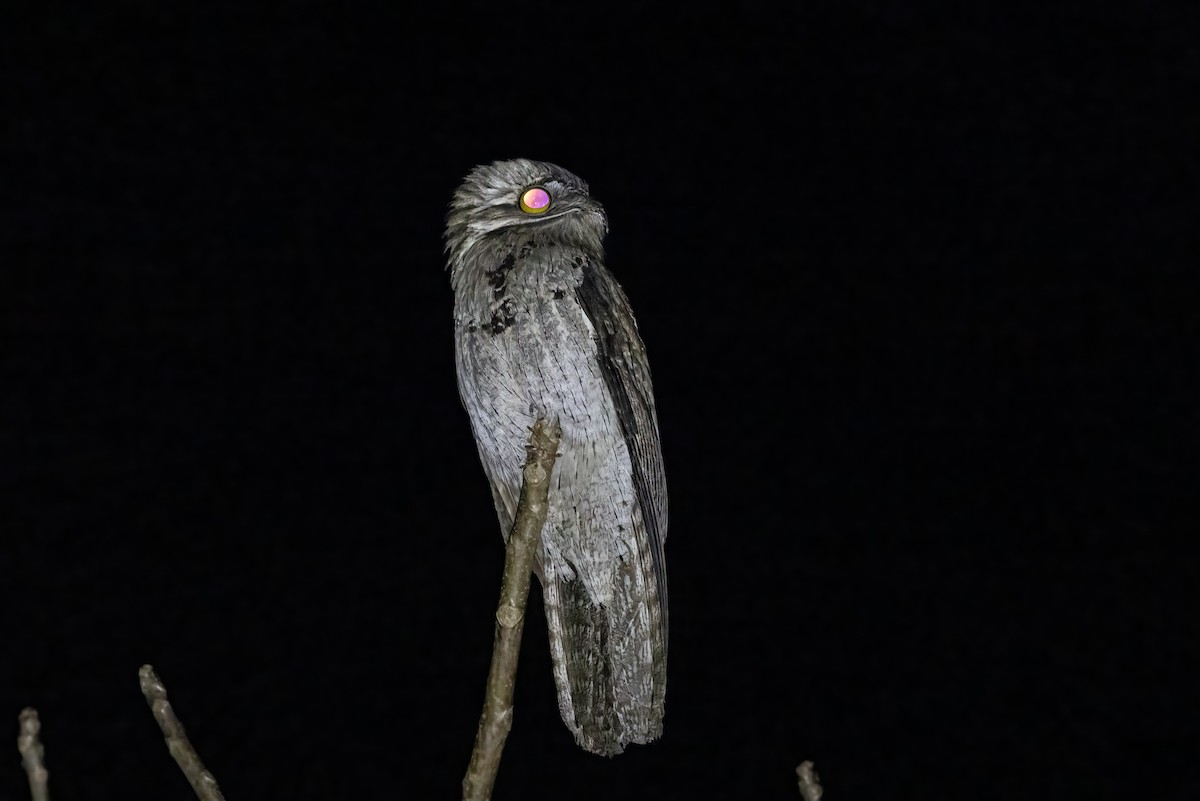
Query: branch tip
(204, 784)
(810, 783)
(29, 745)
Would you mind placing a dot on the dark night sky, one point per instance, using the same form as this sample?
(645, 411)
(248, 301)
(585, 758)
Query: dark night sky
(906, 284)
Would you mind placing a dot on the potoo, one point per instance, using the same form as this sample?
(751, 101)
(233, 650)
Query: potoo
(542, 330)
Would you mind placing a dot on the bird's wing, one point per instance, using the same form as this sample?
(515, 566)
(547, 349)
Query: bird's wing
(626, 373)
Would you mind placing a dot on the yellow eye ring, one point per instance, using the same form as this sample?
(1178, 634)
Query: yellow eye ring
(535, 200)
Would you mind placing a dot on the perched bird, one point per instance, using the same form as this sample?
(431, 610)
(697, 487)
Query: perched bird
(542, 330)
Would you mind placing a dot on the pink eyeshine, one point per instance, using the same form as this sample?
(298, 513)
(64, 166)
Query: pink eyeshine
(535, 199)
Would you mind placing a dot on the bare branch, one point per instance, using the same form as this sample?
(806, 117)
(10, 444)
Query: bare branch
(203, 783)
(32, 753)
(810, 783)
(496, 720)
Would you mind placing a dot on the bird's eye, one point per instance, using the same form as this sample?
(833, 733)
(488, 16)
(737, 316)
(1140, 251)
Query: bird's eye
(535, 200)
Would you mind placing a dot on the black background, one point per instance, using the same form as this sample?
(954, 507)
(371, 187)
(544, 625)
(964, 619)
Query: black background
(907, 283)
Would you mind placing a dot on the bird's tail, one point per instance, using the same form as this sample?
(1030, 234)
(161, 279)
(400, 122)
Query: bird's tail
(610, 660)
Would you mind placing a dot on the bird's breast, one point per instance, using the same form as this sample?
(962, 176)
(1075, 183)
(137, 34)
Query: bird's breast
(527, 349)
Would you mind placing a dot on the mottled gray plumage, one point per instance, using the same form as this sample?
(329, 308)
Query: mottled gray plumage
(543, 330)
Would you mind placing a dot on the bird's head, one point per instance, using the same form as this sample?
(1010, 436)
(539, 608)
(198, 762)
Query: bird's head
(509, 199)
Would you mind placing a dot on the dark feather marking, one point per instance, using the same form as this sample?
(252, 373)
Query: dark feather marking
(504, 316)
(498, 278)
(589, 669)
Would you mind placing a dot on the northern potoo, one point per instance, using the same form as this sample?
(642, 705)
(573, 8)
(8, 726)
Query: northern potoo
(543, 330)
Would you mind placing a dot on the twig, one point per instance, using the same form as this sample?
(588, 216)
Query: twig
(32, 753)
(810, 784)
(496, 720)
(203, 783)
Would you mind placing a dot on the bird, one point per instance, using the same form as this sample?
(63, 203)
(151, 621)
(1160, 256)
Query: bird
(544, 331)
